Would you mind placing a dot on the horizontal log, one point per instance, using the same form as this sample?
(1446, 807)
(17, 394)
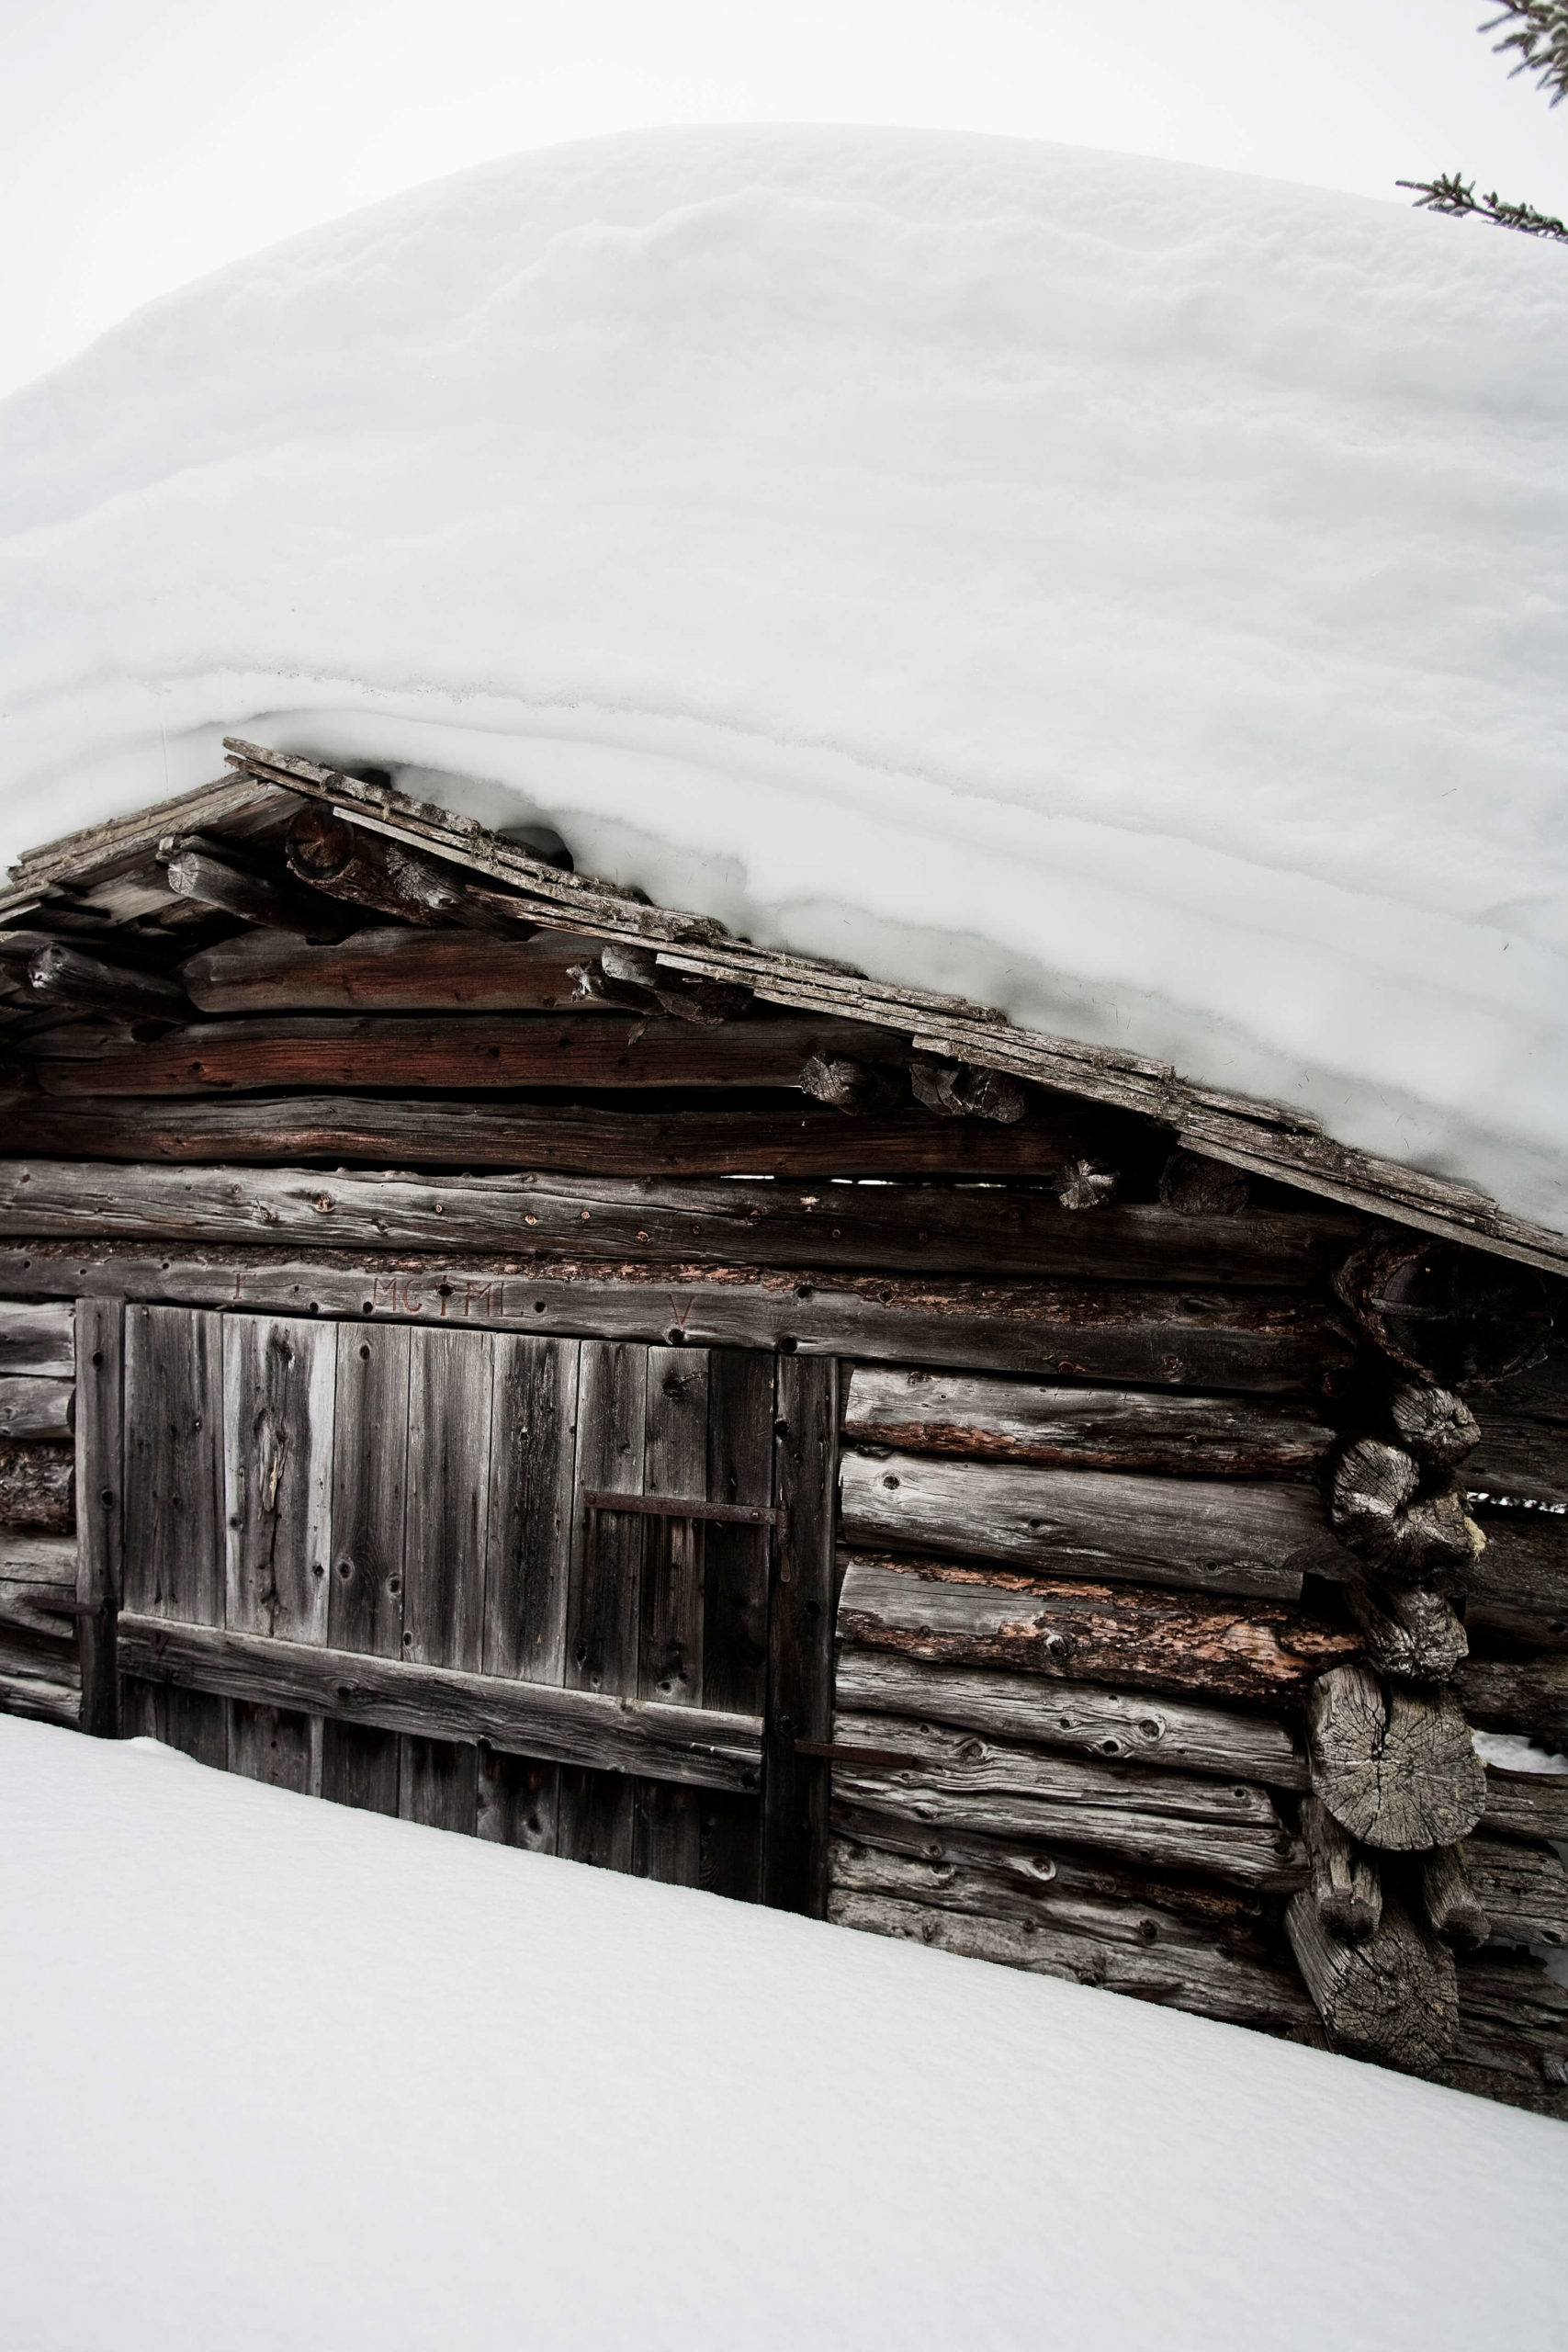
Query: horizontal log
(37, 1485)
(947, 1613)
(1527, 1695)
(40, 1698)
(32, 1407)
(1523, 1452)
(1345, 1882)
(1084, 1718)
(1393, 1997)
(698, 1746)
(195, 872)
(38, 1584)
(804, 1140)
(1247, 1340)
(1526, 1804)
(1494, 1623)
(1084, 1428)
(1411, 1633)
(463, 1051)
(389, 970)
(365, 868)
(1524, 1562)
(58, 974)
(1513, 2033)
(1207, 1536)
(1522, 1887)
(1393, 1764)
(40, 1338)
(1208, 1983)
(868, 1228)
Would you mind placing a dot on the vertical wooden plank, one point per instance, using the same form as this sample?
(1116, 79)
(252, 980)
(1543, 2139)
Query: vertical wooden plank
(446, 1540)
(533, 1455)
(271, 1744)
(800, 1637)
(518, 1800)
(667, 1834)
(100, 1507)
(359, 1767)
(174, 1496)
(735, 1601)
(364, 1611)
(596, 1823)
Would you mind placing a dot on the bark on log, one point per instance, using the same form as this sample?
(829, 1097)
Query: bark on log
(1527, 1695)
(37, 1483)
(1082, 1428)
(1196, 1186)
(389, 970)
(193, 872)
(1345, 1882)
(1411, 1634)
(1209, 1537)
(1526, 1804)
(1433, 1424)
(1261, 1653)
(1377, 1513)
(1111, 1726)
(365, 869)
(1394, 1998)
(1449, 1902)
(1449, 1315)
(1522, 1887)
(906, 1228)
(1396, 1767)
(64, 975)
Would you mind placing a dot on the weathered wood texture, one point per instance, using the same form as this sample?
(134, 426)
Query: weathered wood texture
(1524, 1564)
(98, 1470)
(391, 970)
(797, 1788)
(38, 1584)
(1512, 2042)
(1522, 1887)
(37, 1485)
(1381, 1511)
(1449, 1315)
(1182, 1338)
(1526, 1804)
(31, 1407)
(948, 1614)
(1393, 1997)
(1523, 1451)
(174, 1528)
(1084, 1428)
(1394, 1766)
(1246, 1539)
(40, 1677)
(1114, 1726)
(1525, 1695)
(1410, 1632)
(1345, 1882)
(37, 1339)
(727, 1221)
(1450, 1902)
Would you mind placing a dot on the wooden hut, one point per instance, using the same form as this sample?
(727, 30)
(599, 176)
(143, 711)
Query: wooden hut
(481, 1347)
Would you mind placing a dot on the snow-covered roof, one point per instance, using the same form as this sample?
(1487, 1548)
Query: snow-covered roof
(1129, 595)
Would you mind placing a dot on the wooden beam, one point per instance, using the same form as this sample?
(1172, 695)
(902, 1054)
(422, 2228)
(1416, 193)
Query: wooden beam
(796, 1787)
(1410, 1633)
(193, 873)
(1522, 1887)
(100, 1483)
(389, 969)
(1449, 1902)
(1529, 1695)
(64, 975)
(37, 1340)
(32, 1407)
(1180, 1337)
(881, 1228)
(38, 1584)
(1525, 1560)
(1526, 1804)
(1345, 1882)
(1393, 1998)
(1206, 1536)
(389, 876)
(1396, 1767)
(696, 1746)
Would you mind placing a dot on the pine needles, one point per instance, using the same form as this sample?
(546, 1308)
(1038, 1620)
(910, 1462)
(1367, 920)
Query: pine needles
(1448, 192)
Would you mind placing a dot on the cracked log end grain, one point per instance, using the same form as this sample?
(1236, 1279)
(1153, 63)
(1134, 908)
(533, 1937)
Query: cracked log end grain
(1378, 1511)
(1411, 1633)
(1394, 1998)
(1396, 1767)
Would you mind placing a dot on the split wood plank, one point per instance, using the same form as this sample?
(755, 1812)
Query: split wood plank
(1184, 1337)
(389, 969)
(1245, 1539)
(797, 1788)
(31, 1407)
(38, 1485)
(1084, 1428)
(667, 1821)
(100, 1475)
(37, 1340)
(737, 1566)
(950, 1614)
(623, 1736)
(518, 1800)
(723, 1220)
(1083, 1718)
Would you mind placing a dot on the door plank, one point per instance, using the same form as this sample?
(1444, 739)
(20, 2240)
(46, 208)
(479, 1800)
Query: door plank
(675, 1462)
(800, 1648)
(365, 1612)
(532, 1454)
(173, 1421)
(100, 1507)
(605, 1603)
(519, 1799)
(737, 1563)
(445, 1538)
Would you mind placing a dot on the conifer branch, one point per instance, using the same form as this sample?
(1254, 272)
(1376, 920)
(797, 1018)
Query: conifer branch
(1448, 192)
(1540, 34)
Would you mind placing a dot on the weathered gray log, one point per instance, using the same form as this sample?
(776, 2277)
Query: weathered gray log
(1522, 1887)
(1526, 1804)
(1084, 1718)
(193, 871)
(703, 1001)
(1523, 1452)
(40, 1682)
(1512, 2042)
(1539, 1629)
(1377, 1513)
(1230, 1538)
(38, 1584)
(1433, 1424)
(1449, 1315)
(1087, 1184)
(1393, 1997)
(1449, 1901)
(387, 969)
(846, 1085)
(37, 1483)
(697, 1745)
(960, 1090)
(1410, 1632)
(947, 1613)
(870, 1227)
(1171, 1821)
(1187, 1976)
(365, 868)
(32, 1407)
(1395, 1767)
(1196, 1186)
(1084, 1428)
(1114, 1333)
(1345, 1882)
(1524, 1561)
(36, 1339)
(1526, 1695)
(61, 974)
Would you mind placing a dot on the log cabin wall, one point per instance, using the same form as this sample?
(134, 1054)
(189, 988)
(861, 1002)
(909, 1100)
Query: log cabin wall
(1132, 1543)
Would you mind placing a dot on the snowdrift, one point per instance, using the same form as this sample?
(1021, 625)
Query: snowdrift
(281, 2075)
(1131, 594)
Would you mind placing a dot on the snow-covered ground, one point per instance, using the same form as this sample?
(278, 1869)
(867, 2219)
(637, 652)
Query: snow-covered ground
(1131, 594)
(276, 2076)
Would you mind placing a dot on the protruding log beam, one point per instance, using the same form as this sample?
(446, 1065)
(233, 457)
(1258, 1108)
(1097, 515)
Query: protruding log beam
(1345, 1882)
(961, 1090)
(37, 1483)
(64, 976)
(349, 861)
(706, 1003)
(1396, 1767)
(1088, 1184)
(1433, 1424)
(1449, 1315)
(1377, 1513)
(1449, 1902)
(1194, 1185)
(387, 969)
(194, 871)
(1522, 1887)
(1262, 1653)
(1411, 1634)
(1394, 1998)
(1529, 1695)
(847, 1084)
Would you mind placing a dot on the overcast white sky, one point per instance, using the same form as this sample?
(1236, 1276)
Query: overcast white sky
(143, 142)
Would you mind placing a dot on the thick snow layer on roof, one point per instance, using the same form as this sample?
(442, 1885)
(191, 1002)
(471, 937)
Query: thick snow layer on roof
(1128, 594)
(280, 2076)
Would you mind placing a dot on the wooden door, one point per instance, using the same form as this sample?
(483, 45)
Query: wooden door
(422, 1493)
